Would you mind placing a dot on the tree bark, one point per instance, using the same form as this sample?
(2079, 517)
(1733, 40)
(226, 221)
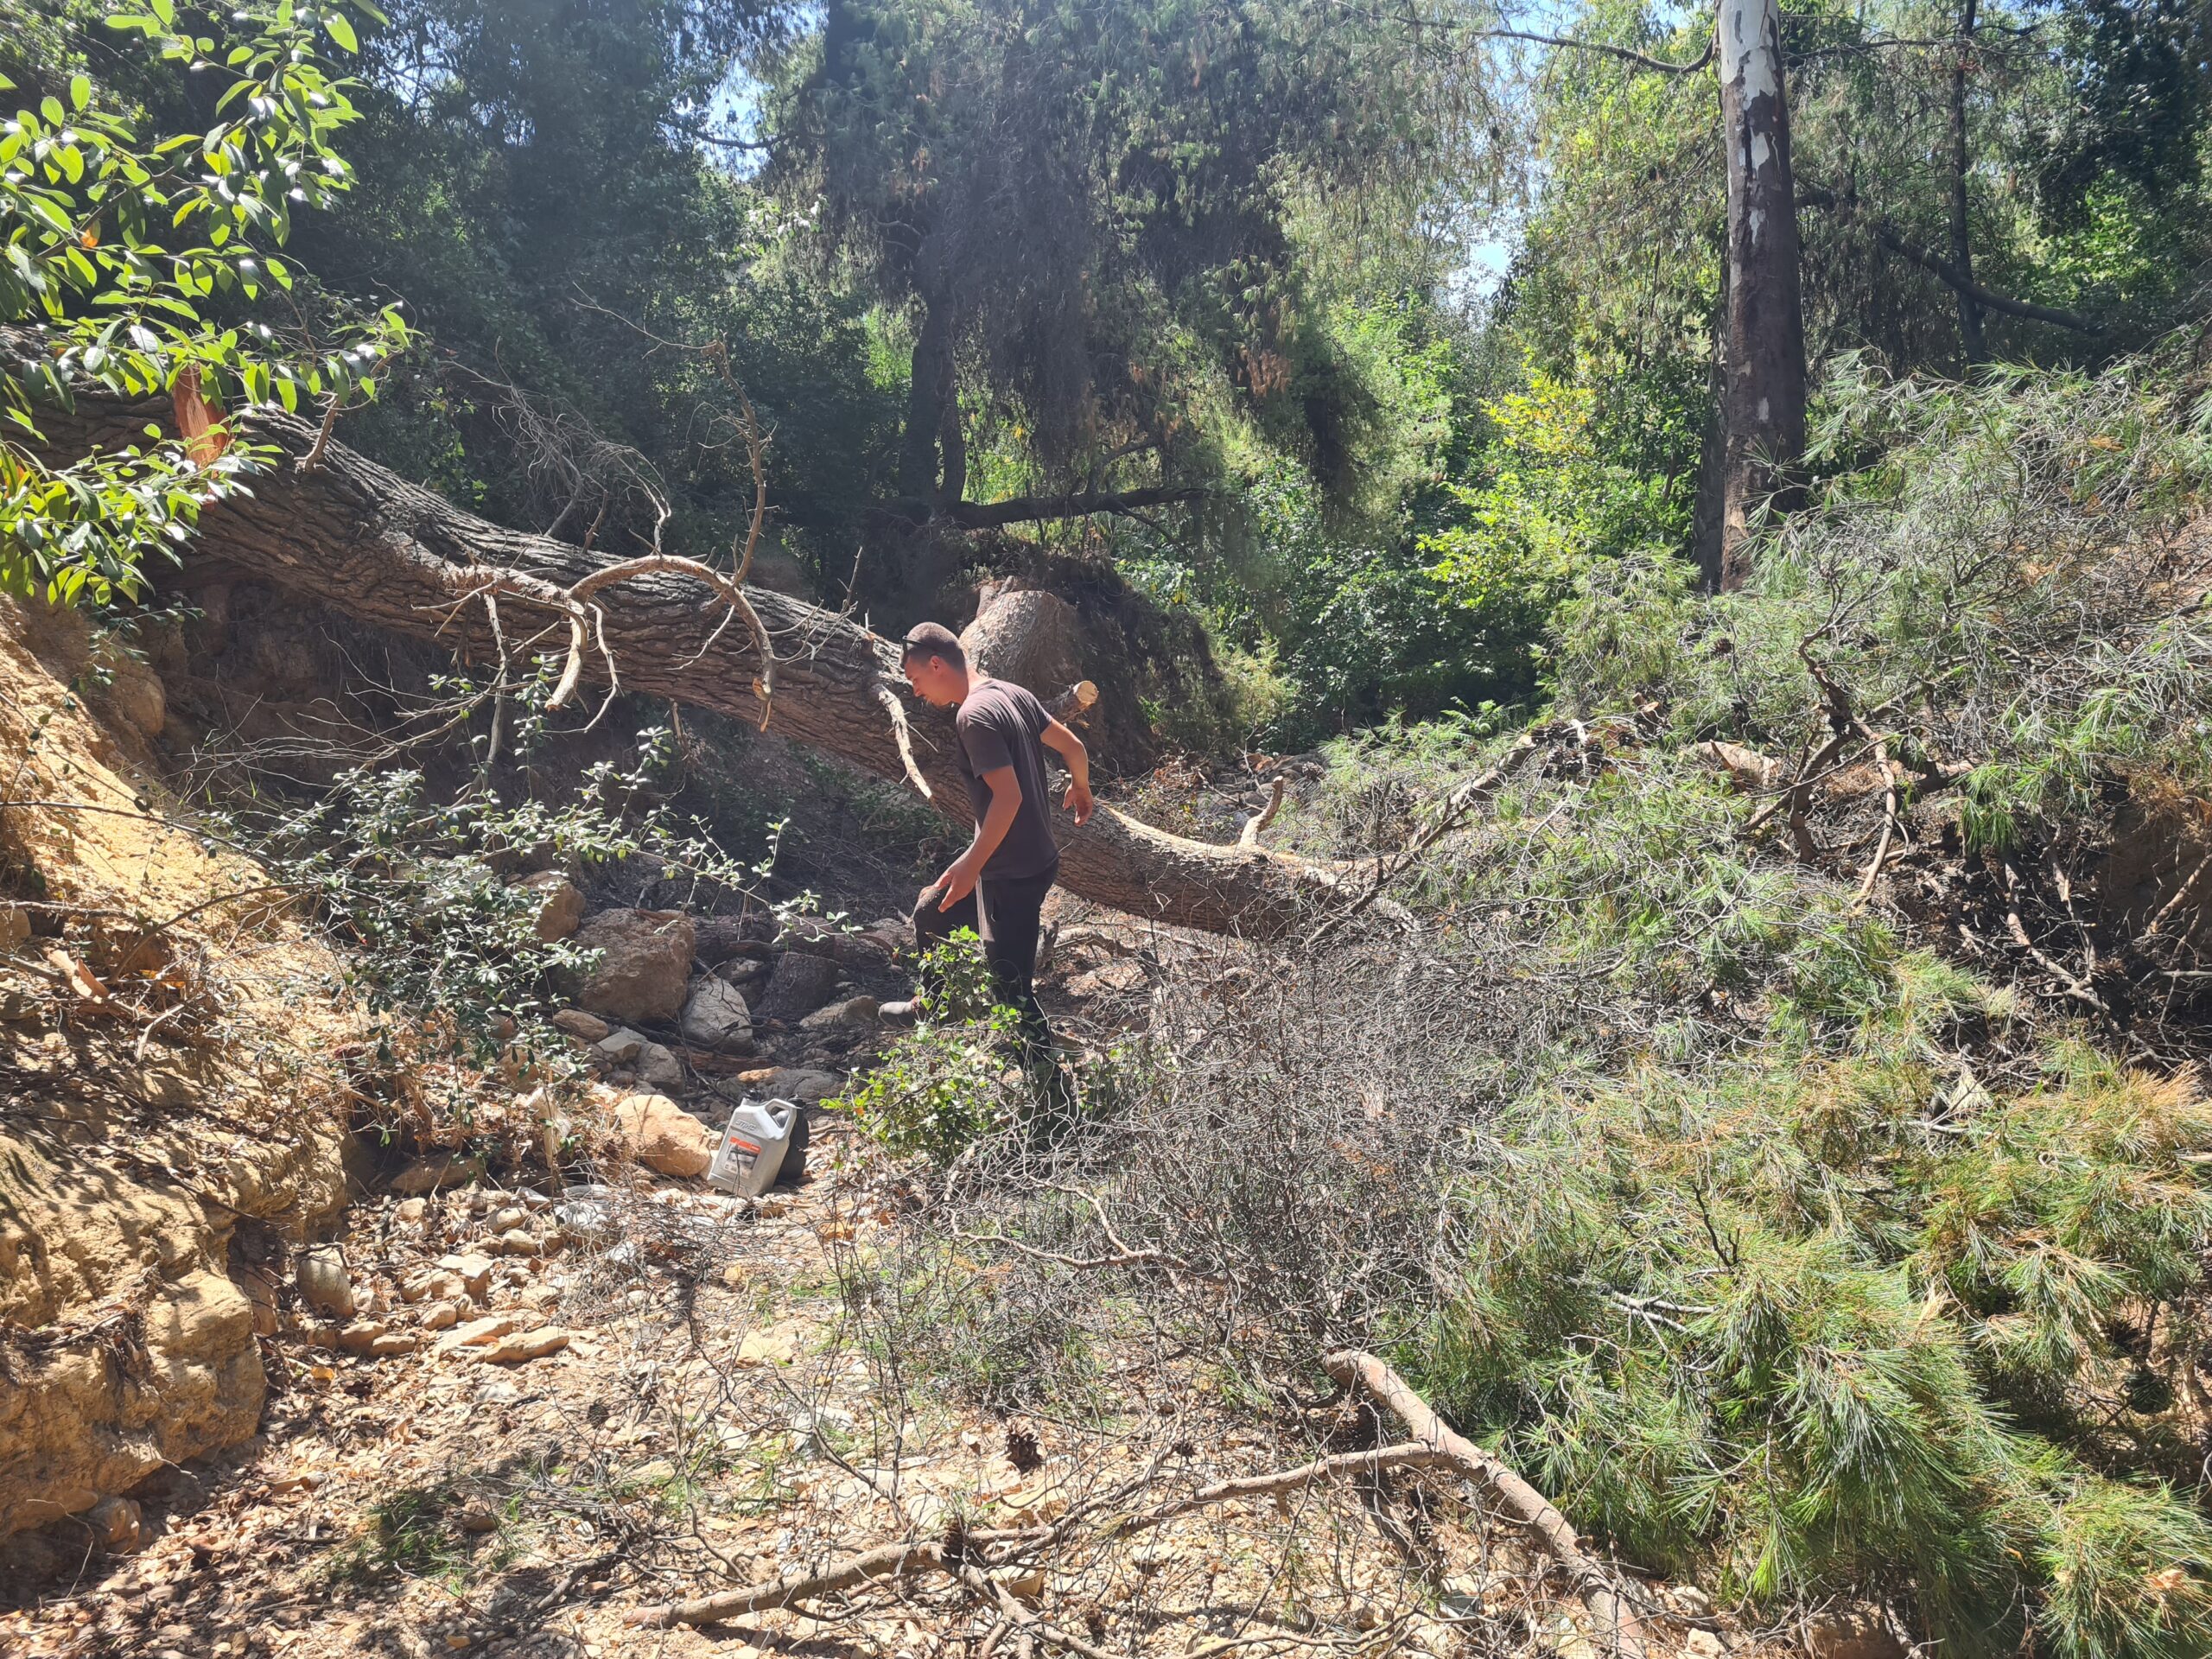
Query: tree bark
(364, 541)
(1971, 344)
(1764, 411)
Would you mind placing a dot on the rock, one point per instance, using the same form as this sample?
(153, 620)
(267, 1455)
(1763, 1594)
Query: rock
(662, 1135)
(439, 1316)
(526, 1344)
(435, 1175)
(473, 1271)
(644, 965)
(799, 1084)
(476, 1333)
(560, 904)
(1703, 1645)
(519, 1241)
(577, 1023)
(118, 1524)
(800, 983)
(660, 1067)
(360, 1335)
(393, 1344)
(1852, 1633)
(323, 1282)
(509, 1218)
(859, 1011)
(715, 1016)
(716, 939)
(408, 1212)
(621, 1046)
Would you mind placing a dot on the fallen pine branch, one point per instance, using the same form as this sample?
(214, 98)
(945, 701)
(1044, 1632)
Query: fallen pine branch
(1527, 1509)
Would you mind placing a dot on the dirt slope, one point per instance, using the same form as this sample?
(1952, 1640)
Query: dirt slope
(167, 1099)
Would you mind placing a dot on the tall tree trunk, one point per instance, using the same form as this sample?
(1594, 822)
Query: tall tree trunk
(368, 543)
(927, 395)
(1764, 409)
(1970, 338)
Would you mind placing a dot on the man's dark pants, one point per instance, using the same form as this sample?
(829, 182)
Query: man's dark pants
(1008, 922)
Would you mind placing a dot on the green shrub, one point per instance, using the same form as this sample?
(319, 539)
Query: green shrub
(940, 1087)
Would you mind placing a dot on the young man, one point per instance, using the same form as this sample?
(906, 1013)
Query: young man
(1010, 864)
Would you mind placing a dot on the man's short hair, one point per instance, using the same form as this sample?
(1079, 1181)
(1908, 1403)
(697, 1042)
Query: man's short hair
(932, 639)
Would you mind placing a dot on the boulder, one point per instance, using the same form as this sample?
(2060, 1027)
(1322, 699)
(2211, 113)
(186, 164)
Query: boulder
(560, 904)
(800, 983)
(662, 1135)
(715, 1016)
(645, 963)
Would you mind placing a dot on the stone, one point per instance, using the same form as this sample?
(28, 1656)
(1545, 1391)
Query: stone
(859, 1011)
(505, 1220)
(324, 1284)
(476, 1333)
(577, 1023)
(621, 1046)
(658, 1067)
(645, 963)
(716, 939)
(360, 1335)
(393, 1344)
(519, 1241)
(560, 905)
(662, 1135)
(473, 1271)
(439, 1316)
(408, 1212)
(1852, 1633)
(802, 1085)
(1703, 1645)
(436, 1173)
(800, 983)
(526, 1346)
(715, 1016)
(118, 1524)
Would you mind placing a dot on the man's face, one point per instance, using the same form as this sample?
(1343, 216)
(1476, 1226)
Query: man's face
(933, 680)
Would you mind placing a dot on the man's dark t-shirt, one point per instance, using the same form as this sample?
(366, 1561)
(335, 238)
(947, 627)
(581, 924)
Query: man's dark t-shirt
(999, 726)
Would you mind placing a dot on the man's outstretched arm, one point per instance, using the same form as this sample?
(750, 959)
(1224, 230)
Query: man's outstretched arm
(1065, 744)
(960, 877)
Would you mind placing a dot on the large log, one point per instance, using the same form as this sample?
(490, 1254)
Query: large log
(363, 540)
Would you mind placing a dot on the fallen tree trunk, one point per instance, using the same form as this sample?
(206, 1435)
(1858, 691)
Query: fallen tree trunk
(358, 537)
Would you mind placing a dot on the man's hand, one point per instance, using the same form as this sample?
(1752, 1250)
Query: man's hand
(1078, 800)
(955, 884)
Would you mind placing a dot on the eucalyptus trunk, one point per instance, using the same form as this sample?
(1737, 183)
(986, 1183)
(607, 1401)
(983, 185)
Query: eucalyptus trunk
(1763, 409)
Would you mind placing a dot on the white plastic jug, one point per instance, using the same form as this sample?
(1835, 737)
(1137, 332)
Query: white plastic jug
(751, 1149)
